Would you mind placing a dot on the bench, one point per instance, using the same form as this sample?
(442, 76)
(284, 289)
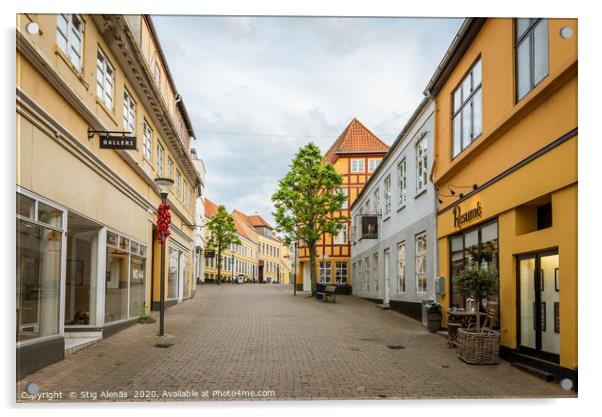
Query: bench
(329, 291)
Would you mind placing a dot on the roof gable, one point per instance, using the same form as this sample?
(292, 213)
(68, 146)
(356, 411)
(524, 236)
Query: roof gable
(354, 139)
(210, 208)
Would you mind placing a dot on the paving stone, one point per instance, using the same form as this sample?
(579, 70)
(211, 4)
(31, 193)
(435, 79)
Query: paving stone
(261, 338)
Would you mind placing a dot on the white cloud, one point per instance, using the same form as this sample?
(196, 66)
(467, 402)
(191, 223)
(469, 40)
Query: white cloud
(292, 76)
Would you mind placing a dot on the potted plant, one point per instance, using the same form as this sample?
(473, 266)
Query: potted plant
(433, 317)
(476, 345)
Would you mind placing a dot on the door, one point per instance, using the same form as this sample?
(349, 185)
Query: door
(387, 278)
(539, 304)
(306, 277)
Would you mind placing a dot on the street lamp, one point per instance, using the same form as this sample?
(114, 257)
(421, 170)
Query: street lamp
(163, 184)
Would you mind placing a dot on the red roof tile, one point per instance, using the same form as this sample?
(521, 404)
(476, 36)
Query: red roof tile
(258, 221)
(210, 208)
(355, 138)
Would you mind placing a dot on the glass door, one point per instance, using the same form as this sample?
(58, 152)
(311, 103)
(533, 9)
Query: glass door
(539, 315)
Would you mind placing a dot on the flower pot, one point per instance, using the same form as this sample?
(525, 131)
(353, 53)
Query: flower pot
(433, 321)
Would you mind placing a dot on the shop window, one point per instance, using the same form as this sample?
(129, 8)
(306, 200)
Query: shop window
(401, 267)
(544, 216)
(116, 293)
(26, 206)
(375, 273)
(421, 262)
(38, 280)
(476, 247)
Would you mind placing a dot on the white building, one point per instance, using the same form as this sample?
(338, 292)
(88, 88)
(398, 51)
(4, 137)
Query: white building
(199, 221)
(398, 267)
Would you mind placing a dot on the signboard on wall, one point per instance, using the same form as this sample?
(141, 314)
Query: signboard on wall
(370, 227)
(117, 142)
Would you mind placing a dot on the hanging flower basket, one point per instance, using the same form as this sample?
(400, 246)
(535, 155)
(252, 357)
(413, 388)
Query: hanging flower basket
(478, 347)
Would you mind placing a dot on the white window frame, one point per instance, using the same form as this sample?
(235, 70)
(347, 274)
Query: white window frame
(325, 272)
(373, 164)
(160, 157)
(376, 196)
(157, 74)
(421, 165)
(375, 270)
(147, 142)
(401, 267)
(129, 112)
(74, 54)
(341, 237)
(341, 266)
(402, 172)
(421, 262)
(169, 168)
(357, 166)
(105, 80)
(388, 195)
(345, 205)
(177, 183)
(462, 104)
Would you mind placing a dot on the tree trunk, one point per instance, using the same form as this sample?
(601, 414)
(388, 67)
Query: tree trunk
(219, 265)
(312, 266)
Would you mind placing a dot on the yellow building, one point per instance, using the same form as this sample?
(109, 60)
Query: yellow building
(505, 166)
(355, 155)
(86, 215)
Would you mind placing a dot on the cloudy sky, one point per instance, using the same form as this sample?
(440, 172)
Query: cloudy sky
(258, 88)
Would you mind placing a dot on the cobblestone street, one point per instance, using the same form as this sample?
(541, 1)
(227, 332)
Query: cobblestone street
(261, 338)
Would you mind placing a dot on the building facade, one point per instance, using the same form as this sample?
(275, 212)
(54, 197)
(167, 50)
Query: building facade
(199, 222)
(506, 170)
(355, 155)
(396, 266)
(85, 215)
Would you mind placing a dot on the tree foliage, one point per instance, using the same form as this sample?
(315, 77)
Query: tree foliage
(477, 283)
(222, 234)
(308, 199)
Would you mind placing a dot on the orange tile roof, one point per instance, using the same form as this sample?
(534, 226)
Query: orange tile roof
(243, 217)
(240, 229)
(210, 208)
(355, 138)
(258, 221)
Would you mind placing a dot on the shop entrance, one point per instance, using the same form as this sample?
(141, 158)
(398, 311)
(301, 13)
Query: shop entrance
(539, 304)
(81, 291)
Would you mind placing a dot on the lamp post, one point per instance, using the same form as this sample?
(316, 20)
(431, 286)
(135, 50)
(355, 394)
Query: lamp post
(163, 184)
(295, 271)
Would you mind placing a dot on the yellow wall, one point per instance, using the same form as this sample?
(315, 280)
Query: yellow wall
(513, 132)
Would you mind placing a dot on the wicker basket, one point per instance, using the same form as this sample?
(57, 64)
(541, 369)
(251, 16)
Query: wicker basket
(478, 347)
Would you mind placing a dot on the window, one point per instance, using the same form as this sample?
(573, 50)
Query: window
(375, 271)
(341, 237)
(38, 278)
(160, 152)
(105, 80)
(367, 273)
(169, 168)
(341, 272)
(401, 267)
(421, 165)
(376, 195)
(147, 142)
(476, 247)
(421, 262)
(367, 206)
(403, 183)
(388, 195)
(357, 165)
(173, 273)
(184, 192)
(157, 74)
(177, 183)
(325, 272)
(125, 288)
(70, 37)
(467, 113)
(346, 202)
(531, 49)
(129, 113)
(373, 163)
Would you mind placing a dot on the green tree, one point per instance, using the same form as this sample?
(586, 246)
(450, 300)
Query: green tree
(477, 283)
(307, 202)
(222, 235)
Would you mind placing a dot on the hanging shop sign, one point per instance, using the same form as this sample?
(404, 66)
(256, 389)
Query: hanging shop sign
(113, 139)
(117, 142)
(370, 227)
(461, 218)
